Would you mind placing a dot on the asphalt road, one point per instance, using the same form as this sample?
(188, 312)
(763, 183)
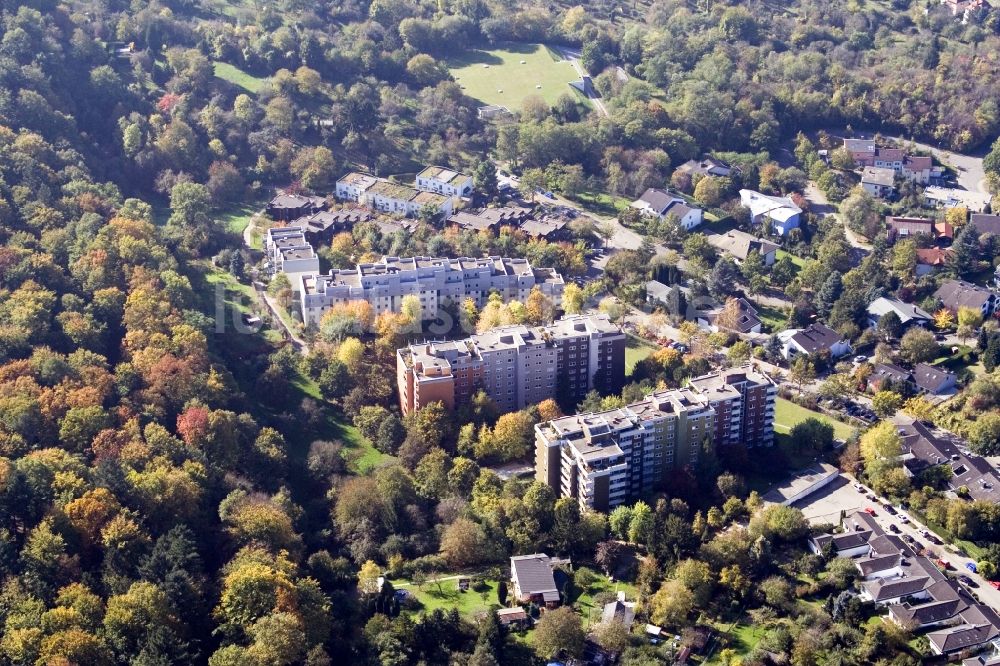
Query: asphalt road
(825, 506)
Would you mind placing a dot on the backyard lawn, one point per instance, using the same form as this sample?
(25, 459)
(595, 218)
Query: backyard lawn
(443, 593)
(787, 415)
(238, 77)
(498, 76)
(635, 351)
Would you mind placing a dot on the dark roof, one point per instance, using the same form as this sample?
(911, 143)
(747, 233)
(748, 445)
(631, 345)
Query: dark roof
(954, 294)
(472, 221)
(929, 378)
(678, 209)
(980, 624)
(617, 611)
(891, 154)
(986, 224)
(891, 588)
(869, 565)
(859, 521)
(295, 201)
(657, 199)
(928, 613)
(533, 574)
(883, 371)
(817, 337)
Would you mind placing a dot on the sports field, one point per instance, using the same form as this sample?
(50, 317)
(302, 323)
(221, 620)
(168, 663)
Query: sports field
(498, 76)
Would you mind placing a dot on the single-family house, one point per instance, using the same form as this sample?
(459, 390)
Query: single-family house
(879, 181)
(657, 293)
(885, 375)
(933, 380)
(889, 158)
(909, 314)
(955, 294)
(932, 258)
(976, 626)
(663, 204)
(445, 181)
(903, 227)
(986, 223)
(780, 212)
(739, 244)
(707, 166)
(918, 169)
(533, 580)
(949, 197)
(549, 227)
(814, 339)
(923, 378)
(862, 151)
(745, 321)
(287, 207)
(620, 611)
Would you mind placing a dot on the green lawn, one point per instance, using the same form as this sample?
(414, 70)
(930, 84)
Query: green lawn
(635, 351)
(773, 318)
(496, 76)
(238, 217)
(583, 600)
(601, 203)
(787, 414)
(238, 77)
(445, 595)
(798, 261)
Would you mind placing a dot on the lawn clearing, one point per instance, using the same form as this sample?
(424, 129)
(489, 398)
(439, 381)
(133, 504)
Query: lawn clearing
(787, 415)
(442, 592)
(484, 73)
(238, 77)
(635, 351)
(798, 261)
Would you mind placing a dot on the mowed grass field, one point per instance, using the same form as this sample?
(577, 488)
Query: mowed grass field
(787, 415)
(484, 73)
(238, 77)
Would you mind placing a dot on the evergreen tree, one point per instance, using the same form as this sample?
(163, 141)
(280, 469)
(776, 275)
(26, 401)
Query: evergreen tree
(829, 293)
(965, 252)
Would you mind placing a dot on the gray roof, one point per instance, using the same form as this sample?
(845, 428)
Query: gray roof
(658, 290)
(739, 244)
(905, 311)
(883, 371)
(881, 176)
(891, 588)
(618, 611)
(985, 223)
(817, 337)
(533, 574)
(930, 378)
(980, 624)
(954, 294)
(657, 199)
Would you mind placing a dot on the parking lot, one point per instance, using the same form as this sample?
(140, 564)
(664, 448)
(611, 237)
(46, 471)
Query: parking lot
(826, 505)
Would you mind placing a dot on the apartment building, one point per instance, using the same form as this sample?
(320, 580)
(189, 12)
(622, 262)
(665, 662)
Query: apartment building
(744, 400)
(389, 197)
(517, 366)
(289, 252)
(443, 180)
(603, 459)
(435, 281)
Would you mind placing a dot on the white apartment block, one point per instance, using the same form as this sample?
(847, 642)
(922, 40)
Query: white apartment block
(434, 280)
(288, 251)
(442, 180)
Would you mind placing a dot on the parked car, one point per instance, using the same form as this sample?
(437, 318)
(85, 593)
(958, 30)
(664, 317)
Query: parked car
(860, 488)
(968, 582)
(893, 528)
(888, 509)
(944, 565)
(907, 538)
(995, 584)
(870, 511)
(860, 358)
(971, 566)
(903, 519)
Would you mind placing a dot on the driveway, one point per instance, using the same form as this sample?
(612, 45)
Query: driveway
(826, 505)
(574, 59)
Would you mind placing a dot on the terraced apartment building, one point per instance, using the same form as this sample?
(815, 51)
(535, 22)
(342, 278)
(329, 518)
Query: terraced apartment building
(603, 459)
(435, 187)
(517, 366)
(436, 281)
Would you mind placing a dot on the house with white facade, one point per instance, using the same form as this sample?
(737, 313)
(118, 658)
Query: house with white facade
(780, 213)
(442, 180)
(388, 197)
(663, 204)
(879, 181)
(815, 339)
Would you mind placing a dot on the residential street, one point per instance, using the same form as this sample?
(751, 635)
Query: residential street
(826, 505)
